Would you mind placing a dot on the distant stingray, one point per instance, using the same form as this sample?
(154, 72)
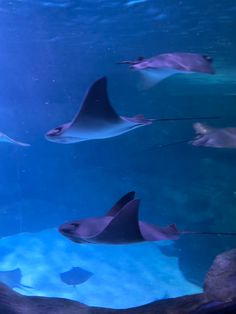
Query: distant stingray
(96, 119)
(214, 137)
(12, 278)
(121, 226)
(6, 139)
(165, 65)
(75, 276)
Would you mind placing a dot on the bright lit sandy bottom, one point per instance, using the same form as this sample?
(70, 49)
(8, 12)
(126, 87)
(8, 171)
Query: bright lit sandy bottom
(123, 276)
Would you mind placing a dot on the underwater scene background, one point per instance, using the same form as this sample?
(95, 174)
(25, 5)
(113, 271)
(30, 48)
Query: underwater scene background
(51, 51)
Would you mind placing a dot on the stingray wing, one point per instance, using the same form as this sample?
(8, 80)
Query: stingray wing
(152, 77)
(154, 233)
(96, 105)
(121, 203)
(124, 227)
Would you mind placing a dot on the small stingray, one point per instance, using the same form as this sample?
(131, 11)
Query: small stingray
(165, 65)
(12, 278)
(75, 276)
(96, 119)
(6, 139)
(214, 137)
(121, 226)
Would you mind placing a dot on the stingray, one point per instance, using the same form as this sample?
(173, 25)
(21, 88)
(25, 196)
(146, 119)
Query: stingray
(121, 225)
(6, 139)
(12, 278)
(162, 66)
(97, 119)
(214, 137)
(75, 276)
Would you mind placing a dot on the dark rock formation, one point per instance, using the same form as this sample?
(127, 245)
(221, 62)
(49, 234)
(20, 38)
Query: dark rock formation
(216, 308)
(14, 303)
(220, 282)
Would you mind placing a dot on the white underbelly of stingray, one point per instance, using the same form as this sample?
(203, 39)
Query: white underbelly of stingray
(100, 130)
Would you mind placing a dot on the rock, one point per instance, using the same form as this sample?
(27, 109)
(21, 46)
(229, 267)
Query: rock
(220, 282)
(181, 305)
(12, 302)
(216, 308)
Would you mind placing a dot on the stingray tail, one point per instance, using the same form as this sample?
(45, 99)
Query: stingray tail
(21, 144)
(209, 233)
(187, 118)
(10, 140)
(127, 62)
(189, 141)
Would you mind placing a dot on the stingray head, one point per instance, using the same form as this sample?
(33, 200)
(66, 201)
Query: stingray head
(205, 135)
(208, 58)
(140, 65)
(61, 134)
(83, 231)
(70, 229)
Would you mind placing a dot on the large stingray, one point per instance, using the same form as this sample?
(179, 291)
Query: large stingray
(121, 226)
(6, 139)
(96, 119)
(160, 67)
(214, 137)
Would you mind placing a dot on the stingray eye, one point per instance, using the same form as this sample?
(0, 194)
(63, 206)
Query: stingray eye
(208, 58)
(55, 131)
(140, 59)
(74, 224)
(58, 129)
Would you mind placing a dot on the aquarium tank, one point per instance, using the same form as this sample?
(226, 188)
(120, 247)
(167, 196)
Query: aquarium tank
(118, 137)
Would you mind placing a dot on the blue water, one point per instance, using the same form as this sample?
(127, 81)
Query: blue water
(51, 51)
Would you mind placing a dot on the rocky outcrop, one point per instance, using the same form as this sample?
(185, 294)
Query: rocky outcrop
(220, 282)
(14, 303)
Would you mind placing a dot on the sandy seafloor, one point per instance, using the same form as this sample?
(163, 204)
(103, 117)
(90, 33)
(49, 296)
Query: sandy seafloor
(123, 276)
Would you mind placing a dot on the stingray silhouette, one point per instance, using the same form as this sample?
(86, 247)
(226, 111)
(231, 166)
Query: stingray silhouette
(121, 226)
(160, 67)
(75, 276)
(214, 137)
(12, 278)
(6, 139)
(97, 119)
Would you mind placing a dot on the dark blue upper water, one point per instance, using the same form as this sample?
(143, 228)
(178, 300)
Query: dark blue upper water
(51, 51)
